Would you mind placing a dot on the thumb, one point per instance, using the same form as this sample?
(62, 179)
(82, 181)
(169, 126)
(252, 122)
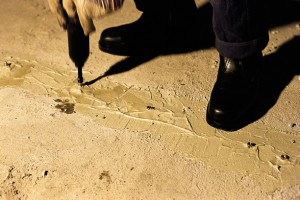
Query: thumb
(58, 10)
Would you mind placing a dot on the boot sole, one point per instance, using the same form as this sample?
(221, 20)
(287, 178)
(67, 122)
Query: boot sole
(115, 52)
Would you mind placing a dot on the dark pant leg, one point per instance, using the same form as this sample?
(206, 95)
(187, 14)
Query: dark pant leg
(150, 5)
(178, 6)
(173, 13)
(240, 27)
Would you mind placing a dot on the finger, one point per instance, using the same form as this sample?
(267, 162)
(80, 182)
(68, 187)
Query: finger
(70, 8)
(57, 9)
(95, 9)
(86, 22)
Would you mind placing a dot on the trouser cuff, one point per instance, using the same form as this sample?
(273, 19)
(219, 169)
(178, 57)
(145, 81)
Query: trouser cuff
(241, 50)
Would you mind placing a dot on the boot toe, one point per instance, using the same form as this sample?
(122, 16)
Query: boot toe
(112, 41)
(221, 119)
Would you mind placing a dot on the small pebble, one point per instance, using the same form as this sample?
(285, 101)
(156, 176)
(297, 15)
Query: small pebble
(251, 144)
(285, 157)
(150, 107)
(7, 64)
(46, 173)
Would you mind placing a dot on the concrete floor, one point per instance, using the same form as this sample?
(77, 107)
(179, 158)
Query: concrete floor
(162, 97)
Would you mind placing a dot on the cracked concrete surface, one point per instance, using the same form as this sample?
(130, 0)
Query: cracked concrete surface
(138, 131)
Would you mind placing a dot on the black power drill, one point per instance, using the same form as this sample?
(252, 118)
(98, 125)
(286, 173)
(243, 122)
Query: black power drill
(79, 45)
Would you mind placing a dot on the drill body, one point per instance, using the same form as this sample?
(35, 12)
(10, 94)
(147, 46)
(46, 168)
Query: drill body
(78, 44)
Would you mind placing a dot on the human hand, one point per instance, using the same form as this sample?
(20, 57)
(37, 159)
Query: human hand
(87, 10)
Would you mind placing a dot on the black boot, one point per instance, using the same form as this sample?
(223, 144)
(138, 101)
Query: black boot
(162, 26)
(234, 92)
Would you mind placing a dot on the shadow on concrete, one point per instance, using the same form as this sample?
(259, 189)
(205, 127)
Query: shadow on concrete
(204, 38)
(124, 65)
(280, 68)
(280, 13)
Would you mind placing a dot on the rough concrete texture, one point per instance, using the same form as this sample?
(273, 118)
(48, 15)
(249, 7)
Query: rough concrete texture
(139, 132)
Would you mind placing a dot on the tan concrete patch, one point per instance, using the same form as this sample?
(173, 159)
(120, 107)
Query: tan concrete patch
(269, 156)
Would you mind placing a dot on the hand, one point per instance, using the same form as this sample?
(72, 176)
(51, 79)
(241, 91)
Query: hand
(87, 10)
